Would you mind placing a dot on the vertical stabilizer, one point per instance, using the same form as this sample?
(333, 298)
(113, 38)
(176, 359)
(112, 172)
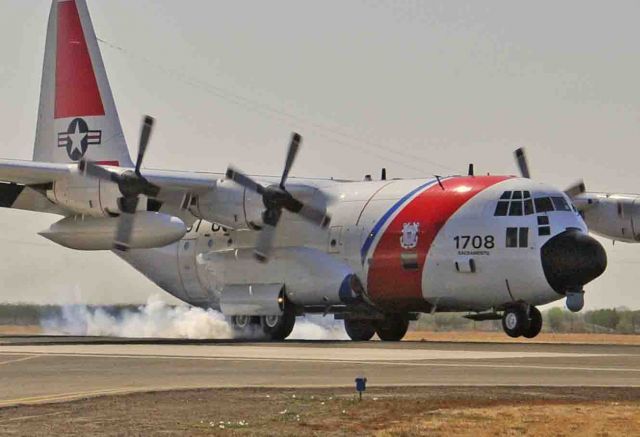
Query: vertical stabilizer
(77, 117)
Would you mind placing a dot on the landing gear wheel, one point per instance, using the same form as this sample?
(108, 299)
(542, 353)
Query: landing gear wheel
(278, 327)
(392, 328)
(515, 322)
(535, 323)
(244, 326)
(359, 330)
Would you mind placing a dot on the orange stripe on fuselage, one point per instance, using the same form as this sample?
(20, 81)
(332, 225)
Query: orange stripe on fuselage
(389, 283)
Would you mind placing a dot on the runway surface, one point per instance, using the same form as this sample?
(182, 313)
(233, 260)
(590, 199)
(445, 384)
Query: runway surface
(44, 369)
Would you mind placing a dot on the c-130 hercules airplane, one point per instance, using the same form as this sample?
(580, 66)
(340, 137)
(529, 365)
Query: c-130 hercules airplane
(264, 250)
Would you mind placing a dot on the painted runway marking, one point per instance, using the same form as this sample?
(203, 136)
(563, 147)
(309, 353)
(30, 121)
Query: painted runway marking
(17, 360)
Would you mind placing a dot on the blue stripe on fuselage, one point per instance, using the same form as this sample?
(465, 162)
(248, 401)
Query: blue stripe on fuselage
(372, 235)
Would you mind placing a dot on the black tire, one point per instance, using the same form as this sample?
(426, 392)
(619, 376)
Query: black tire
(359, 330)
(278, 328)
(535, 323)
(392, 328)
(515, 322)
(245, 326)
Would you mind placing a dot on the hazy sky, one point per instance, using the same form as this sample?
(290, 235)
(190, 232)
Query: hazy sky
(418, 87)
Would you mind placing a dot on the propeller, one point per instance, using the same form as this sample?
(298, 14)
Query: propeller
(131, 184)
(276, 198)
(521, 158)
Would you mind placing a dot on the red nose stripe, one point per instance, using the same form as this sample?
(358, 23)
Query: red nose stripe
(391, 284)
(77, 91)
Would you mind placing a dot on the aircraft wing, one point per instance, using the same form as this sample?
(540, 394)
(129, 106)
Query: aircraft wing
(30, 172)
(21, 184)
(38, 173)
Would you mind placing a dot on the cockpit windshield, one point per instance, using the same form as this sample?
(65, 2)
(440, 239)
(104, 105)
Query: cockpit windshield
(519, 203)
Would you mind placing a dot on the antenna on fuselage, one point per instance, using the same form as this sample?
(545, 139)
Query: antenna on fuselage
(439, 182)
(470, 172)
(383, 175)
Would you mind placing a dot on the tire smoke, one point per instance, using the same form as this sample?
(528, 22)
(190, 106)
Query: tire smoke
(156, 319)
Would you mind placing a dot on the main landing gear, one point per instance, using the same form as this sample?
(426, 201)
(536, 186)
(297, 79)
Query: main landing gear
(265, 327)
(392, 328)
(522, 321)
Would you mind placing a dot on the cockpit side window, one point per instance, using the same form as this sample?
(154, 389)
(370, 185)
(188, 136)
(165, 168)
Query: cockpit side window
(528, 207)
(560, 204)
(543, 204)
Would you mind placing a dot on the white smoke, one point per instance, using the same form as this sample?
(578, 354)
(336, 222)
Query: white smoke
(156, 319)
(318, 327)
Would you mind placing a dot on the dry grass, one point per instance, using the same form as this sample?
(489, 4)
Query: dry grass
(470, 411)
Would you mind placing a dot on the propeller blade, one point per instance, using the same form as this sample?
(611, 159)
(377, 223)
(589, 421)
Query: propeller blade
(145, 134)
(296, 139)
(244, 180)
(575, 189)
(90, 168)
(264, 243)
(122, 238)
(521, 159)
(270, 217)
(150, 190)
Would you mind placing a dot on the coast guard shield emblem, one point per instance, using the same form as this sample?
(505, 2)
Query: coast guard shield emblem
(409, 238)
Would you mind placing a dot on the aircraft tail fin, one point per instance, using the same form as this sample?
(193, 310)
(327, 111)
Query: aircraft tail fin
(77, 116)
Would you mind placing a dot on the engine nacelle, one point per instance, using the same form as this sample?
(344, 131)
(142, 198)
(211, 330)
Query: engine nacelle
(227, 203)
(232, 206)
(150, 229)
(615, 216)
(86, 195)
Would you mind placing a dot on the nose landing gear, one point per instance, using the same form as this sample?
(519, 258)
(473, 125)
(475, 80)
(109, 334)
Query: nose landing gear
(522, 321)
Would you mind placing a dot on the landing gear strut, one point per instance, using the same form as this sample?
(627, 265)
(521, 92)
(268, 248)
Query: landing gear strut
(518, 322)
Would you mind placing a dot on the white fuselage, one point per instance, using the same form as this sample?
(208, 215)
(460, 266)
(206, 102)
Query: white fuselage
(413, 244)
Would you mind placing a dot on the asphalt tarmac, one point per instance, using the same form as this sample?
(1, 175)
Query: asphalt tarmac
(40, 369)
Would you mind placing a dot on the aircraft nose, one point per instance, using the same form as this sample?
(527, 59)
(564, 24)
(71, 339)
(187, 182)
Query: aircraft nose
(572, 259)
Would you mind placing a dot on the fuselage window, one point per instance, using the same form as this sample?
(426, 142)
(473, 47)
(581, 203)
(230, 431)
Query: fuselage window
(543, 204)
(517, 237)
(512, 237)
(523, 237)
(560, 204)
